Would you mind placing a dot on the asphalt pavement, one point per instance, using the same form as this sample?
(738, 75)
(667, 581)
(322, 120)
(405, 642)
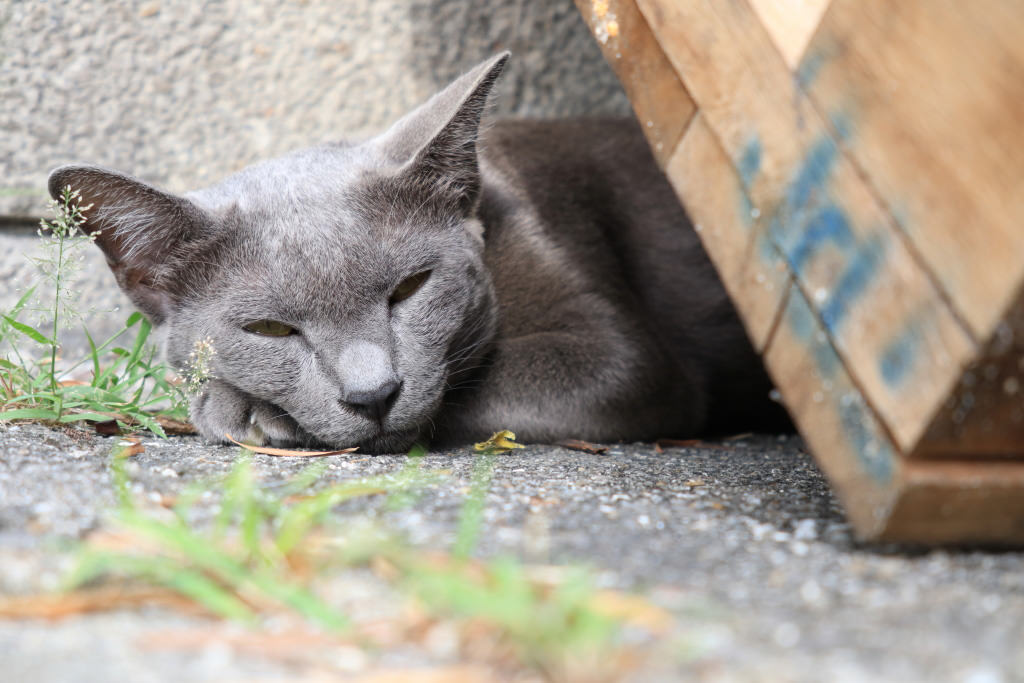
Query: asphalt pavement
(741, 540)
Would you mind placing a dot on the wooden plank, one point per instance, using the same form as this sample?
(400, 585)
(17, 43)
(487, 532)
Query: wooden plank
(730, 228)
(892, 328)
(732, 85)
(984, 415)
(790, 23)
(958, 503)
(885, 496)
(846, 437)
(658, 96)
(930, 97)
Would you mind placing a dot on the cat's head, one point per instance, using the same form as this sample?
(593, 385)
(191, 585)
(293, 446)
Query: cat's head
(344, 284)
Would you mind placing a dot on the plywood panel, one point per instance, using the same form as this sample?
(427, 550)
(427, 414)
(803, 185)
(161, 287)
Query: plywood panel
(659, 99)
(845, 435)
(958, 503)
(880, 308)
(929, 95)
(731, 229)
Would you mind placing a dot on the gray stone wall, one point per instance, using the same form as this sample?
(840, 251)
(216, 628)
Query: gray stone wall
(182, 93)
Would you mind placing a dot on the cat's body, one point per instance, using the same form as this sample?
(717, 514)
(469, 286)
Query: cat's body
(408, 288)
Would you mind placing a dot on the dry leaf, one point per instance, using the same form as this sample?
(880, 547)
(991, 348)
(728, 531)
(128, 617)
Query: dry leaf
(633, 609)
(284, 452)
(739, 437)
(128, 447)
(61, 605)
(176, 427)
(679, 443)
(585, 446)
(281, 644)
(459, 673)
(500, 442)
(107, 428)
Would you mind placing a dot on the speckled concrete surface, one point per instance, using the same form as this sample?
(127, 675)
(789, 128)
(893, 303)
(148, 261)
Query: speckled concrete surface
(757, 562)
(182, 93)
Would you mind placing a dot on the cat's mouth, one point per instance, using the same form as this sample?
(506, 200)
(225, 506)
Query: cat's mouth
(397, 441)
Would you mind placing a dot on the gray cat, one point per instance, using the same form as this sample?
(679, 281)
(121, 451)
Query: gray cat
(436, 283)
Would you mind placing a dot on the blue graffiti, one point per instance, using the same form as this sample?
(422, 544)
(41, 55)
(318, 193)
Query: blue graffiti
(860, 271)
(808, 70)
(874, 453)
(898, 357)
(807, 222)
(812, 176)
(750, 162)
(829, 224)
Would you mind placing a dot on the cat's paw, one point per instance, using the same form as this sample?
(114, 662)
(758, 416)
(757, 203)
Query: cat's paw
(222, 410)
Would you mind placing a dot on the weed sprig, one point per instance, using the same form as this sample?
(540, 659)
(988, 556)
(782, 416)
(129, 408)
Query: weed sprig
(263, 550)
(128, 384)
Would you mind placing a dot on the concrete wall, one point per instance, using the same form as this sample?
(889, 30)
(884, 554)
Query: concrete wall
(183, 93)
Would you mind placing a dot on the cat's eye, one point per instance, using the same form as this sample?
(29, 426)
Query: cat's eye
(408, 287)
(269, 328)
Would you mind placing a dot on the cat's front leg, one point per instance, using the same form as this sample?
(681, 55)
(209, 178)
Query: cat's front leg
(221, 410)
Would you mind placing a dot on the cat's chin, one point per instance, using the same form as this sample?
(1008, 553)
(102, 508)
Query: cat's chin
(390, 442)
(378, 444)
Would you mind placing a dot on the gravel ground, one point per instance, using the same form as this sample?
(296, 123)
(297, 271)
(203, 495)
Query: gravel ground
(741, 540)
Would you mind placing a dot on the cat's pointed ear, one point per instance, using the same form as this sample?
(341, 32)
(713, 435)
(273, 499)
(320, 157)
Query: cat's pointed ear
(437, 142)
(139, 228)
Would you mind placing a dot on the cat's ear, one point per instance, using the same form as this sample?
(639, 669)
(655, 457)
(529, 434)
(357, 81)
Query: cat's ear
(437, 142)
(140, 229)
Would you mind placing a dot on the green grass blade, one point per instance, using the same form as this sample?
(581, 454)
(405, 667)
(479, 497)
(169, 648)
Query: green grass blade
(29, 332)
(28, 414)
(83, 417)
(472, 514)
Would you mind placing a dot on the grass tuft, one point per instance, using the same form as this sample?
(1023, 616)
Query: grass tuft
(127, 383)
(264, 551)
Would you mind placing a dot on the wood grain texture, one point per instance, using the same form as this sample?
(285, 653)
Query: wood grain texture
(958, 503)
(790, 23)
(890, 324)
(842, 431)
(730, 228)
(659, 99)
(929, 97)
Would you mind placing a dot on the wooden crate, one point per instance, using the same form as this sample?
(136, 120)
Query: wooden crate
(855, 169)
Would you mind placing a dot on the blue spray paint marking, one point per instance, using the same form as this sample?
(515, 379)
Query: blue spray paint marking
(809, 68)
(873, 452)
(749, 167)
(899, 355)
(842, 124)
(829, 224)
(804, 327)
(812, 176)
(807, 222)
(860, 271)
(801, 320)
(750, 162)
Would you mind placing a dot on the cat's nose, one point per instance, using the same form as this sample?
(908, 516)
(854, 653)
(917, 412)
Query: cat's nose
(374, 403)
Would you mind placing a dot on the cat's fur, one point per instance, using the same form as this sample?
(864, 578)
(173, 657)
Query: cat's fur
(567, 295)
